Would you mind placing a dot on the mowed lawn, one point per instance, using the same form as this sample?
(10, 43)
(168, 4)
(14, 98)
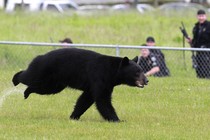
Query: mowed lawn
(172, 108)
(177, 107)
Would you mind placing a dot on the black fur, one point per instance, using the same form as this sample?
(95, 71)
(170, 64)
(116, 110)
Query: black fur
(15, 78)
(93, 73)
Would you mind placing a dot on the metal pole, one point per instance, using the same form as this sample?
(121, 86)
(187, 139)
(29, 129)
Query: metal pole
(135, 2)
(117, 50)
(22, 5)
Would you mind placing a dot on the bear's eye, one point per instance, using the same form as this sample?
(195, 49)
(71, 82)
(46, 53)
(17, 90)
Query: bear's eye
(137, 73)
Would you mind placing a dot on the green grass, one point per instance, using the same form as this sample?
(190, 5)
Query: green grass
(176, 107)
(128, 28)
(172, 108)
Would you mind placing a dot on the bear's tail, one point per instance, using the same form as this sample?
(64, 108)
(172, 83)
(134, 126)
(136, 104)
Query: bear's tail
(15, 78)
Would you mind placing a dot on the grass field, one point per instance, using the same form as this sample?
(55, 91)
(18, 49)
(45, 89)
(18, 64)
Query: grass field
(177, 107)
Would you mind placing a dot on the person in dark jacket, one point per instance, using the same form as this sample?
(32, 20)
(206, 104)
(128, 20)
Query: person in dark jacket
(201, 39)
(150, 42)
(151, 64)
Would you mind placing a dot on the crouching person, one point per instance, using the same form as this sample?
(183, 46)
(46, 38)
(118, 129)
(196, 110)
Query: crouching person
(151, 64)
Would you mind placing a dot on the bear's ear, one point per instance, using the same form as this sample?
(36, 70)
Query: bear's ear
(135, 59)
(125, 61)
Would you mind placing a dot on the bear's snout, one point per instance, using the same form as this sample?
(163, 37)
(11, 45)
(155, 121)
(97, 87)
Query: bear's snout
(142, 81)
(146, 81)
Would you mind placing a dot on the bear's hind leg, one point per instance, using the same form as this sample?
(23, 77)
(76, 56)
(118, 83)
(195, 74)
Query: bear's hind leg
(27, 92)
(83, 103)
(15, 78)
(44, 90)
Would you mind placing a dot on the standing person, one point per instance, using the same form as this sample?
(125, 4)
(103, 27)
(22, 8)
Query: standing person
(151, 64)
(201, 39)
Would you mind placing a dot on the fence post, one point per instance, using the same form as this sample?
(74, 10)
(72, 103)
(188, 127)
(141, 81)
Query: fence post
(117, 50)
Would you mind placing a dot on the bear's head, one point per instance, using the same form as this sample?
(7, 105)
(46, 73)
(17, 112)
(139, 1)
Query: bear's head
(131, 74)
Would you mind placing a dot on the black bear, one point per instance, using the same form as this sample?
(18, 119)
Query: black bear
(93, 73)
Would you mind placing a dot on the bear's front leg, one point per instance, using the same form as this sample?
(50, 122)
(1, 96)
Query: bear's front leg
(106, 109)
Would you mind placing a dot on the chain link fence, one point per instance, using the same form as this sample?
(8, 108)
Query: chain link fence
(16, 56)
